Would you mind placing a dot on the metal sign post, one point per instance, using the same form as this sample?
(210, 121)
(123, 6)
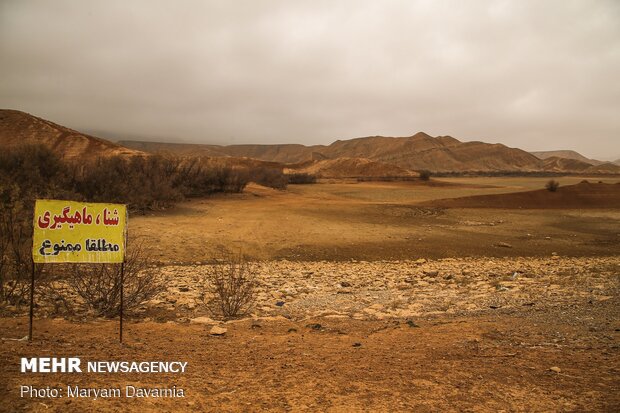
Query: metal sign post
(78, 232)
(121, 314)
(31, 302)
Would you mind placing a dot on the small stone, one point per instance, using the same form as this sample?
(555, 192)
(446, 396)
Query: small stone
(555, 369)
(431, 273)
(412, 324)
(183, 289)
(345, 284)
(357, 344)
(280, 303)
(504, 245)
(202, 320)
(420, 261)
(218, 331)
(314, 326)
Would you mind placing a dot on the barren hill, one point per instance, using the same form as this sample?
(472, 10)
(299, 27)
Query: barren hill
(349, 168)
(580, 196)
(604, 168)
(557, 164)
(18, 128)
(417, 152)
(370, 156)
(566, 154)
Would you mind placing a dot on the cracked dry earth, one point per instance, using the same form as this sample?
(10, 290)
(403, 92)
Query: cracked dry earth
(473, 335)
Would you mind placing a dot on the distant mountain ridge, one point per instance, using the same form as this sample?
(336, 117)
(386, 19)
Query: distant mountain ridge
(18, 128)
(567, 154)
(417, 152)
(372, 156)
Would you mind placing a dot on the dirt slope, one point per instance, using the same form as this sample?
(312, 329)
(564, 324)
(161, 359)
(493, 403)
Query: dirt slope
(17, 128)
(580, 196)
(604, 168)
(351, 167)
(420, 151)
(557, 164)
(567, 154)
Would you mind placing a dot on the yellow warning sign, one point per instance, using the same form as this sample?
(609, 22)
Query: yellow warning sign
(70, 231)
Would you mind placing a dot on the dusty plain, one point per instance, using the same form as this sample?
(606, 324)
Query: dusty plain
(370, 299)
(375, 221)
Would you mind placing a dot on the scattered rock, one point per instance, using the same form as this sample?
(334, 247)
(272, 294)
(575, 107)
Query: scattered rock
(555, 369)
(345, 284)
(412, 324)
(280, 303)
(357, 344)
(314, 326)
(503, 245)
(431, 273)
(202, 320)
(218, 331)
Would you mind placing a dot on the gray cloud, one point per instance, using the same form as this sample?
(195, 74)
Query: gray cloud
(532, 74)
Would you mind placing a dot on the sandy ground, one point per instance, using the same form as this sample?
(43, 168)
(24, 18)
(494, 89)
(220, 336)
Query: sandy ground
(373, 221)
(367, 302)
(486, 363)
(450, 335)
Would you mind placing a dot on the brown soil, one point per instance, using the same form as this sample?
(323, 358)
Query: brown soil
(488, 363)
(19, 128)
(580, 196)
(458, 334)
(375, 221)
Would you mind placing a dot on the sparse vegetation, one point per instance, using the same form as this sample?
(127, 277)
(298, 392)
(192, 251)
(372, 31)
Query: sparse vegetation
(99, 285)
(385, 178)
(229, 290)
(271, 177)
(301, 178)
(143, 183)
(552, 185)
(25, 174)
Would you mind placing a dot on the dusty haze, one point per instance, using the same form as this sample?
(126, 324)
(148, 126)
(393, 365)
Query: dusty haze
(529, 74)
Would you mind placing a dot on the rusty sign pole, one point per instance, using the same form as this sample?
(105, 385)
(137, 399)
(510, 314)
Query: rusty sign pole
(31, 301)
(123, 278)
(121, 314)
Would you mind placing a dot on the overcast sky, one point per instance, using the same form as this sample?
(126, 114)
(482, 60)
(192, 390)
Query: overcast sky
(538, 74)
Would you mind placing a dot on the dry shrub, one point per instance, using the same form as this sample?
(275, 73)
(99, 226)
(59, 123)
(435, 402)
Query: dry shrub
(552, 185)
(15, 256)
(99, 284)
(267, 176)
(301, 178)
(425, 175)
(26, 173)
(229, 290)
